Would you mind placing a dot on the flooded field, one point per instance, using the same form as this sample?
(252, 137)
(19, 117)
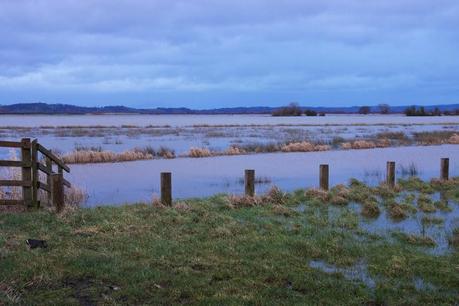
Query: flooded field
(218, 133)
(189, 120)
(119, 183)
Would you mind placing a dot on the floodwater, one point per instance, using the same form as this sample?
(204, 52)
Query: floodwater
(114, 132)
(138, 181)
(189, 120)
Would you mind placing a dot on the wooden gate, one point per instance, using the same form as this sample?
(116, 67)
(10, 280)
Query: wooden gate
(35, 162)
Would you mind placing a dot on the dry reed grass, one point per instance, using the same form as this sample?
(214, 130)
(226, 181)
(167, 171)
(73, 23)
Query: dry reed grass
(319, 194)
(84, 157)
(234, 150)
(304, 146)
(454, 139)
(199, 152)
(274, 196)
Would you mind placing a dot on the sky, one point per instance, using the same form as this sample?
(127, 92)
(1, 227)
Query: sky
(225, 53)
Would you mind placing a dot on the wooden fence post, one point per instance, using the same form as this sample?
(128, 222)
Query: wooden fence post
(249, 182)
(26, 158)
(444, 171)
(49, 181)
(390, 173)
(58, 191)
(324, 177)
(166, 188)
(34, 152)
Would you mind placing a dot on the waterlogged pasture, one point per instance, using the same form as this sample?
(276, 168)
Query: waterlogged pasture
(272, 249)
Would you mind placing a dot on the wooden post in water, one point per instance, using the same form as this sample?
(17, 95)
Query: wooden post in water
(26, 159)
(57, 188)
(166, 188)
(324, 177)
(390, 175)
(444, 171)
(249, 182)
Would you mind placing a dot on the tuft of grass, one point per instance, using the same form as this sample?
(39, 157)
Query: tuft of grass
(370, 209)
(425, 203)
(396, 211)
(429, 220)
(415, 239)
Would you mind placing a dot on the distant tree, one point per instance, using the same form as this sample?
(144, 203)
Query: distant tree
(410, 111)
(364, 110)
(310, 113)
(293, 109)
(436, 112)
(384, 108)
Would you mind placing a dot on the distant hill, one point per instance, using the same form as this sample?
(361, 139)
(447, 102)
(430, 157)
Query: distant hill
(44, 108)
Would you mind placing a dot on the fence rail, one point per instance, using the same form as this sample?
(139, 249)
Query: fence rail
(36, 162)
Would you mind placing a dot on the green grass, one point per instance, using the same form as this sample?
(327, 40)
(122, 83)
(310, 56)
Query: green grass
(208, 253)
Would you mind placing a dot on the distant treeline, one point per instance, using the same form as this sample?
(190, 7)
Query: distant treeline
(293, 109)
(421, 111)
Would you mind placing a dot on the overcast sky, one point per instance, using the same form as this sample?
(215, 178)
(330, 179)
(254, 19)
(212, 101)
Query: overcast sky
(217, 53)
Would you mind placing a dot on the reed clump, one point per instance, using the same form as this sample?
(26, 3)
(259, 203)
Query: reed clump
(454, 139)
(234, 150)
(425, 204)
(84, 157)
(435, 137)
(339, 195)
(304, 146)
(416, 240)
(199, 152)
(396, 211)
(370, 209)
(273, 196)
(316, 193)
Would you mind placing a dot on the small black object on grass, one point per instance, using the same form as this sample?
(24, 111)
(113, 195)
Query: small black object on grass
(34, 243)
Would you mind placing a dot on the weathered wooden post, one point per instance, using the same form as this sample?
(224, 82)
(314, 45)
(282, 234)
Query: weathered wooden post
(444, 171)
(249, 182)
(49, 181)
(390, 173)
(57, 180)
(26, 159)
(324, 177)
(34, 154)
(166, 188)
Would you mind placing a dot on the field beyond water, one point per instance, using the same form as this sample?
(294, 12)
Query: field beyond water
(305, 247)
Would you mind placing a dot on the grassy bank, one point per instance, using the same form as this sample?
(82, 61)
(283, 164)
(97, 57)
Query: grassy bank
(279, 249)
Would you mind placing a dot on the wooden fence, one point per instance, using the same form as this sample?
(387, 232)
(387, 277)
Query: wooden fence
(36, 160)
(249, 179)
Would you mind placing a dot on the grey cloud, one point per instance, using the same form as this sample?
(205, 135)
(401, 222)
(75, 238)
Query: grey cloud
(281, 48)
